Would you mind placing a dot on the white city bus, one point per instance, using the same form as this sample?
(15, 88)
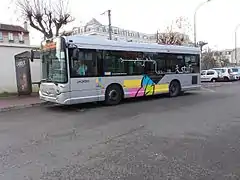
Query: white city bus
(80, 69)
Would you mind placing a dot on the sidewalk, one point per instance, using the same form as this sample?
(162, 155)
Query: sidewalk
(18, 102)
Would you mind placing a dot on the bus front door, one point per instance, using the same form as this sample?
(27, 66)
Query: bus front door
(84, 90)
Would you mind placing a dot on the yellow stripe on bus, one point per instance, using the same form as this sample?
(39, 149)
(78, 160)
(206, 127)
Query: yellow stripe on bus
(135, 83)
(161, 88)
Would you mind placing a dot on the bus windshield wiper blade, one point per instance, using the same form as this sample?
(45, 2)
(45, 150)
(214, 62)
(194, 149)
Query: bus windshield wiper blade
(46, 80)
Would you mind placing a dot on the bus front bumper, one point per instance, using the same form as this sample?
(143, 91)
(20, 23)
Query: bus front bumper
(58, 99)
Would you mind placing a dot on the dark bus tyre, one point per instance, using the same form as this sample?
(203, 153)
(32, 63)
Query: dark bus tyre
(113, 95)
(174, 89)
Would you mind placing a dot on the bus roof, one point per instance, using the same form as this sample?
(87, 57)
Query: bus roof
(91, 42)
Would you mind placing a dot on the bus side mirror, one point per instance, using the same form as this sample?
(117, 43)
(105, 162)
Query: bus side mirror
(31, 55)
(75, 54)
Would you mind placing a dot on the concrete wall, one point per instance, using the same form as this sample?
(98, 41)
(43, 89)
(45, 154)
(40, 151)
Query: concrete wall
(7, 71)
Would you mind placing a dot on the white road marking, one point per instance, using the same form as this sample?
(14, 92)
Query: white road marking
(207, 89)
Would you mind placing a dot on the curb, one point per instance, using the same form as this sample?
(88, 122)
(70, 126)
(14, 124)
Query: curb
(212, 85)
(21, 107)
(215, 84)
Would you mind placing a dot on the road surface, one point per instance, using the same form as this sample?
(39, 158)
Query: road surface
(191, 137)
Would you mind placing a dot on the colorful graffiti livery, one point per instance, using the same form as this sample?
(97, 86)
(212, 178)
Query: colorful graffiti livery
(99, 83)
(144, 87)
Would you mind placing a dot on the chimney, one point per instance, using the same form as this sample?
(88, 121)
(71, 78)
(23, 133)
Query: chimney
(25, 25)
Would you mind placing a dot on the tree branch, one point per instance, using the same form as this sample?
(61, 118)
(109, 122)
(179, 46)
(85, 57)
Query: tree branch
(174, 36)
(43, 17)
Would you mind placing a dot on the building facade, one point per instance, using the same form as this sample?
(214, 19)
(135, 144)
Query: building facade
(13, 34)
(235, 56)
(8, 82)
(226, 57)
(231, 55)
(14, 40)
(95, 28)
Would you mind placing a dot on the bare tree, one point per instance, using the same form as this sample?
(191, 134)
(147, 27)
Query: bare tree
(209, 59)
(223, 60)
(176, 33)
(46, 16)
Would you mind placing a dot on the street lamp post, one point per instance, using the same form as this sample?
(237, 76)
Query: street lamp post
(236, 42)
(195, 19)
(201, 44)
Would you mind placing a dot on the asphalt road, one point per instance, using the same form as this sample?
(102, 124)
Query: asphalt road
(192, 137)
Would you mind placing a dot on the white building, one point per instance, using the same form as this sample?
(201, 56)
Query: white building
(230, 55)
(233, 56)
(14, 39)
(94, 27)
(8, 81)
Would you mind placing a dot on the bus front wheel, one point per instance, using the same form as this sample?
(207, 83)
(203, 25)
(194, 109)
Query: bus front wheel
(174, 89)
(113, 95)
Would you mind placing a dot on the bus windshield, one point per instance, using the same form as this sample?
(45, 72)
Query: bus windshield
(54, 68)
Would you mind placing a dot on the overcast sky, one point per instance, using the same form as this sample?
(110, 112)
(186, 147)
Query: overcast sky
(216, 20)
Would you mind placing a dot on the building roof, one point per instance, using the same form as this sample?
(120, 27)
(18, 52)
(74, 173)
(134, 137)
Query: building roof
(93, 21)
(91, 42)
(15, 28)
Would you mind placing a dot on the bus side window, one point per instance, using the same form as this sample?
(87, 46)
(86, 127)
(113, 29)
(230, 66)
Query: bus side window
(161, 62)
(193, 61)
(100, 62)
(149, 67)
(174, 60)
(112, 63)
(85, 65)
(134, 67)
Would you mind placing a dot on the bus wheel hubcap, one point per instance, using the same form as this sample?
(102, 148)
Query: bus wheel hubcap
(173, 89)
(113, 95)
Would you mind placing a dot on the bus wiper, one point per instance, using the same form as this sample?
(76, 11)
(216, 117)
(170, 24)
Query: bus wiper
(46, 80)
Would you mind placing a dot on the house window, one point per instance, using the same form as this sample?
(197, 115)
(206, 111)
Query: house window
(20, 37)
(1, 36)
(10, 36)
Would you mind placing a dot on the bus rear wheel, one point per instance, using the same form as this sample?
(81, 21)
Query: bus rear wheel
(113, 95)
(174, 89)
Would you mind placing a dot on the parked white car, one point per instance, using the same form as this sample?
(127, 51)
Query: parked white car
(236, 71)
(210, 75)
(227, 73)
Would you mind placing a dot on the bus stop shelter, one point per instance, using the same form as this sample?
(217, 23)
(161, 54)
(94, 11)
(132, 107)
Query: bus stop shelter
(23, 72)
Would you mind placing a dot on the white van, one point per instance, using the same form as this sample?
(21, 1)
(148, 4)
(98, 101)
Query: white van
(227, 73)
(236, 71)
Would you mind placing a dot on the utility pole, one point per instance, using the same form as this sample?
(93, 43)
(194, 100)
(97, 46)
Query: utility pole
(235, 38)
(109, 24)
(157, 37)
